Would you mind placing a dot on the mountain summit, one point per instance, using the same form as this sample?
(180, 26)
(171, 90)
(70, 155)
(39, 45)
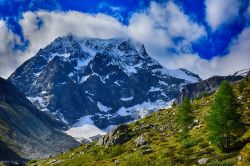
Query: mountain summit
(104, 81)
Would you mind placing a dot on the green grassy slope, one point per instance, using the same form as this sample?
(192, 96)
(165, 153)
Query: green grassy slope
(160, 131)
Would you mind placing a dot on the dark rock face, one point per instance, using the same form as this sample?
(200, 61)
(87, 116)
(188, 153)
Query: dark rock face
(206, 86)
(108, 79)
(6, 153)
(118, 135)
(25, 131)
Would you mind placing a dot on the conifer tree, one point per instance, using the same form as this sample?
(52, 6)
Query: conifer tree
(223, 119)
(185, 117)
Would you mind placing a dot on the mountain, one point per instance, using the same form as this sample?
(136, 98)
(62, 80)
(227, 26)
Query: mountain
(205, 87)
(97, 82)
(25, 131)
(154, 140)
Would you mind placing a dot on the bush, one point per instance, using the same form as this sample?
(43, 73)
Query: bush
(189, 142)
(228, 162)
(32, 161)
(137, 161)
(242, 85)
(115, 151)
(203, 145)
(205, 94)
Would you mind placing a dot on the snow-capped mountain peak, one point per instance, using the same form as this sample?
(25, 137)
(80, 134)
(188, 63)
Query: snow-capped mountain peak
(105, 79)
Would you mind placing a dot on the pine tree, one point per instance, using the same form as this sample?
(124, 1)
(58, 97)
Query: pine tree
(185, 117)
(223, 118)
(241, 86)
(174, 104)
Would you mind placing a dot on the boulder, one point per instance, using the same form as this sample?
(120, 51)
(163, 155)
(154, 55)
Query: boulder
(147, 151)
(140, 141)
(118, 135)
(116, 162)
(203, 161)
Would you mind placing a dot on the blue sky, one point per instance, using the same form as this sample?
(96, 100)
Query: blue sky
(204, 34)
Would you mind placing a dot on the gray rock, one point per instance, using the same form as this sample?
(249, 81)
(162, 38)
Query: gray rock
(140, 141)
(203, 161)
(116, 162)
(147, 151)
(118, 135)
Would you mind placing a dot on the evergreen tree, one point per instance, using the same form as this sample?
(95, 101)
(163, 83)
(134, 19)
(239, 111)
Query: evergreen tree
(223, 118)
(241, 86)
(174, 104)
(185, 117)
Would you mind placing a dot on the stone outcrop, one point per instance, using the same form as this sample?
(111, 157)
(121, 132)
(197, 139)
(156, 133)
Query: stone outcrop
(118, 135)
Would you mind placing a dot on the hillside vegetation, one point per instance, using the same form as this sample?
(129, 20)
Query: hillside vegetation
(159, 143)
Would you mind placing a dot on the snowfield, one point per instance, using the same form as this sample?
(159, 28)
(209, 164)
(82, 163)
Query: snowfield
(84, 129)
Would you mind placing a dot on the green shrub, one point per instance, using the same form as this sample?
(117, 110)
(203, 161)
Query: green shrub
(137, 161)
(32, 161)
(205, 94)
(228, 162)
(242, 85)
(186, 143)
(115, 151)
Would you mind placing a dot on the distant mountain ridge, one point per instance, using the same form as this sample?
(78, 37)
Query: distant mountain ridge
(113, 81)
(208, 86)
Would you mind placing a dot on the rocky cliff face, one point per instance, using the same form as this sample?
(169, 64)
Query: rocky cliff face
(113, 81)
(25, 131)
(118, 135)
(204, 87)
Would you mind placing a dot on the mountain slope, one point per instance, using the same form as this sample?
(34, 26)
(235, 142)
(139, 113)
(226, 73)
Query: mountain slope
(26, 132)
(153, 140)
(114, 81)
(204, 87)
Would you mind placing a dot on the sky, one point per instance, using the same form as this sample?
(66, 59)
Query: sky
(207, 37)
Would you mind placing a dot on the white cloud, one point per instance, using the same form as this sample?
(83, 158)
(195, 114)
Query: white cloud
(219, 12)
(238, 58)
(55, 24)
(9, 59)
(155, 27)
(158, 26)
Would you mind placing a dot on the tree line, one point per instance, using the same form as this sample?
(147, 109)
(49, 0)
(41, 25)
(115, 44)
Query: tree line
(223, 119)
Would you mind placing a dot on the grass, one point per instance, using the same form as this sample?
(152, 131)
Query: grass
(164, 142)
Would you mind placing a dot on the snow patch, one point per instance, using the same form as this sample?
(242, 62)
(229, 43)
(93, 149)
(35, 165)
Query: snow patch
(177, 73)
(116, 82)
(182, 75)
(71, 74)
(52, 56)
(84, 78)
(82, 63)
(163, 83)
(63, 119)
(38, 99)
(141, 110)
(154, 89)
(37, 74)
(103, 108)
(84, 129)
(127, 99)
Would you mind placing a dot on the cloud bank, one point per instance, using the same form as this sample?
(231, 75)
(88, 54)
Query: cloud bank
(220, 12)
(164, 29)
